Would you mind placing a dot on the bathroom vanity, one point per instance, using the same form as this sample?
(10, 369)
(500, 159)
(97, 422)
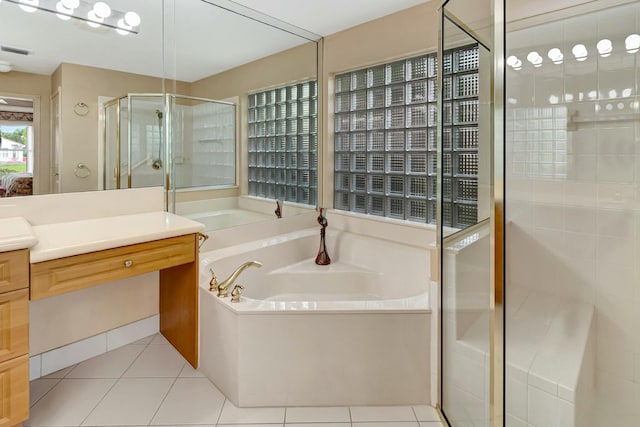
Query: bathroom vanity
(44, 261)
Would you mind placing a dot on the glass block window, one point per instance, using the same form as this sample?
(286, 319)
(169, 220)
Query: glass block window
(385, 139)
(283, 143)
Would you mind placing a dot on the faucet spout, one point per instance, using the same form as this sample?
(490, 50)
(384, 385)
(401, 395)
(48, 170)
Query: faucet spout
(223, 287)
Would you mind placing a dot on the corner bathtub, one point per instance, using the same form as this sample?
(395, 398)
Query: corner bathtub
(353, 333)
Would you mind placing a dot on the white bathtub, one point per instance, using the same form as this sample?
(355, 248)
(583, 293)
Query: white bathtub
(353, 333)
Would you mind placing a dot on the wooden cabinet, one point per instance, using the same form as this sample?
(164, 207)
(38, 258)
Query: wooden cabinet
(175, 257)
(58, 276)
(14, 337)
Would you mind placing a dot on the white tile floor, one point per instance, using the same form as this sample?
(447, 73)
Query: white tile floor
(148, 383)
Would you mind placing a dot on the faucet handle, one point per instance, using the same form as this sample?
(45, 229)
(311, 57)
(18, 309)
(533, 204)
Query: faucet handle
(236, 292)
(213, 283)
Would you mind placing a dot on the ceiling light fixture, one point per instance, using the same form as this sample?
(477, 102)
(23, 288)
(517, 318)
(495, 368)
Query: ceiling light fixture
(65, 12)
(604, 47)
(95, 13)
(535, 59)
(94, 20)
(555, 55)
(632, 43)
(5, 67)
(29, 6)
(580, 52)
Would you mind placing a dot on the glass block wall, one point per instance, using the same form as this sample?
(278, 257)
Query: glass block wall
(283, 143)
(385, 139)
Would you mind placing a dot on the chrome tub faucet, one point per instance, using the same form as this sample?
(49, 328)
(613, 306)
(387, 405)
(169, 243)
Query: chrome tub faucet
(223, 287)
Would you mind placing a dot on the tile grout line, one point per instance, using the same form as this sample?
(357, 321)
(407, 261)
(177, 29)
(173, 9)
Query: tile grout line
(117, 380)
(415, 415)
(221, 409)
(175, 380)
(48, 391)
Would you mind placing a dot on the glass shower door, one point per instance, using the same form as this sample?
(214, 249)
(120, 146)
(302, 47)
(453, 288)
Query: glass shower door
(467, 216)
(145, 154)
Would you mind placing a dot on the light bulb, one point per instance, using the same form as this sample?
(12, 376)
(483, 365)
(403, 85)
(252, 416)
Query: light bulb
(535, 59)
(632, 43)
(70, 4)
(94, 21)
(123, 29)
(29, 5)
(102, 10)
(132, 19)
(512, 60)
(580, 52)
(555, 55)
(604, 47)
(65, 13)
(518, 65)
(626, 93)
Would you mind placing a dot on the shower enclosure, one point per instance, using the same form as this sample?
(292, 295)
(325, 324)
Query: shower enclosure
(539, 301)
(201, 135)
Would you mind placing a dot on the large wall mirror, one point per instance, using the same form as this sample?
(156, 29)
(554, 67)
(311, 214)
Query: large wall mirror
(58, 74)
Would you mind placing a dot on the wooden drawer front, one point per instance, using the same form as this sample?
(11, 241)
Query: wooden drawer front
(14, 270)
(14, 391)
(63, 275)
(14, 324)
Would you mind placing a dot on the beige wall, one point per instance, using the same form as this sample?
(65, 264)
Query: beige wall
(37, 87)
(296, 64)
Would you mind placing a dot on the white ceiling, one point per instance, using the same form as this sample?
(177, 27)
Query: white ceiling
(202, 39)
(326, 17)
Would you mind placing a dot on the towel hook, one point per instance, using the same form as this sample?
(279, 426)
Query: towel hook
(81, 171)
(81, 108)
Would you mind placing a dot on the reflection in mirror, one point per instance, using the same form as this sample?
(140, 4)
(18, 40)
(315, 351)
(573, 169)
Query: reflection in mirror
(63, 67)
(71, 73)
(273, 85)
(202, 131)
(465, 128)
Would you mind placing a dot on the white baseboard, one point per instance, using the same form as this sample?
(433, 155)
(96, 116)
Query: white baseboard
(51, 361)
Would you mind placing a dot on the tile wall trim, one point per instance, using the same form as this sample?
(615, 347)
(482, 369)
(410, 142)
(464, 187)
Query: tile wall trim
(51, 361)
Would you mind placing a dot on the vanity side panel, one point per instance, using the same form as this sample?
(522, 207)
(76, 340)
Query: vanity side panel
(179, 306)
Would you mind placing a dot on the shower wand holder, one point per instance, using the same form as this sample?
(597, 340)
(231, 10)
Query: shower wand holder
(323, 256)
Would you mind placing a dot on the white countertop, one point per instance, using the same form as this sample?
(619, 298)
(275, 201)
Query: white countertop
(78, 237)
(16, 233)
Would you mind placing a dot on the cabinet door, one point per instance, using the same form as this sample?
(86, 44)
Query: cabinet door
(14, 391)
(14, 270)
(14, 324)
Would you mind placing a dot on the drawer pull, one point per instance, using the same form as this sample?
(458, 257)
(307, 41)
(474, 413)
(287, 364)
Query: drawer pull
(128, 263)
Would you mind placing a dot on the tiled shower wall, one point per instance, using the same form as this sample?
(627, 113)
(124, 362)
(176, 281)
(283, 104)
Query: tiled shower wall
(573, 201)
